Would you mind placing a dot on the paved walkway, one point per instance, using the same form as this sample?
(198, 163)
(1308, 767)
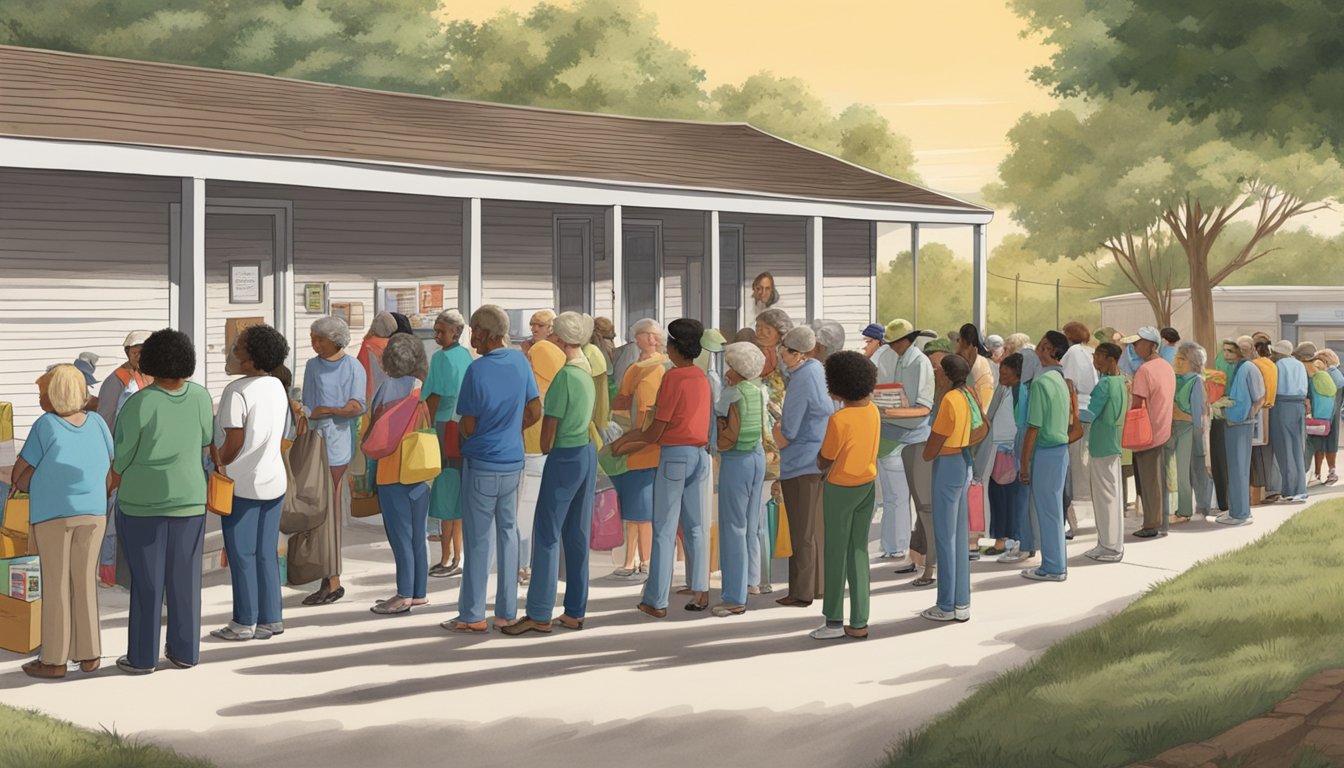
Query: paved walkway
(344, 687)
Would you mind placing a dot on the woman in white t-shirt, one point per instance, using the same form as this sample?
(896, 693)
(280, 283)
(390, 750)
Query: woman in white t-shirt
(252, 420)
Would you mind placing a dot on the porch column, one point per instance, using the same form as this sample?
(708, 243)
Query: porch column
(815, 282)
(615, 241)
(979, 301)
(469, 282)
(914, 277)
(186, 295)
(713, 268)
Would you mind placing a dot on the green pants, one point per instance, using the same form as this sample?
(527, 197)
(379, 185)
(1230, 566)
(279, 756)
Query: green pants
(848, 515)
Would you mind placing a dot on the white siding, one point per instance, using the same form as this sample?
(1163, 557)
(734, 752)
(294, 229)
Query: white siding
(83, 261)
(847, 270)
(229, 238)
(350, 240)
(778, 245)
(518, 253)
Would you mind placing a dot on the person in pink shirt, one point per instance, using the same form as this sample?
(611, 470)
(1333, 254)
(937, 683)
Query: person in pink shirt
(1154, 387)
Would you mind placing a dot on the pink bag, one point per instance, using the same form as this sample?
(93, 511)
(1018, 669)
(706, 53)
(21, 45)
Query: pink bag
(975, 504)
(1005, 468)
(608, 533)
(1318, 427)
(384, 438)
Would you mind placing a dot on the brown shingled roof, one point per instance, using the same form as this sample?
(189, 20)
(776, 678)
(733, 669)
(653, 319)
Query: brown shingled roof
(52, 95)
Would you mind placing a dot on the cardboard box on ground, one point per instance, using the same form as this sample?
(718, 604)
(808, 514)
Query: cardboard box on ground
(20, 574)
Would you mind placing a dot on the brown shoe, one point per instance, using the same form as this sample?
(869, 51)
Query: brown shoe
(36, 668)
(465, 626)
(860, 633)
(569, 622)
(90, 665)
(526, 625)
(789, 601)
(657, 613)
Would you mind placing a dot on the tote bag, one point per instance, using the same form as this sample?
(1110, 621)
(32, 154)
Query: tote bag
(219, 494)
(384, 436)
(1138, 432)
(1005, 468)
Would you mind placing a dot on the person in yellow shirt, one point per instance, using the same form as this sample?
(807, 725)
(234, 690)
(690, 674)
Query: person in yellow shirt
(635, 399)
(546, 358)
(849, 457)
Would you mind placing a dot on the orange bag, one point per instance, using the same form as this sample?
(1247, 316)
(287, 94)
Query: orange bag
(219, 494)
(1138, 432)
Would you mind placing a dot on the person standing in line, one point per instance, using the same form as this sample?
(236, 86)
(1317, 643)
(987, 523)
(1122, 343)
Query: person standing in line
(446, 371)
(742, 417)
(771, 326)
(895, 493)
(955, 430)
(1240, 407)
(541, 326)
(1078, 368)
(873, 346)
(546, 358)
(1045, 456)
(333, 400)
(1216, 381)
(1105, 413)
(1171, 339)
(681, 429)
(904, 431)
(848, 456)
(1154, 388)
(1188, 445)
(370, 355)
(1327, 446)
(1022, 540)
(126, 380)
(498, 400)
(64, 467)
(253, 418)
(799, 434)
(1004, 497)
(994, 343)
(565, 511)
(1287, 423)
(633, 474)
(1264, 471)
(983, 379)
(159, 467)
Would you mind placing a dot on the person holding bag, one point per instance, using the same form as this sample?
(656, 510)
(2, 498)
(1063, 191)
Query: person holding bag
(959, 425)
(405, 505)
(1240, 407)
(1154, 395)
(446, 370)
(253, 416)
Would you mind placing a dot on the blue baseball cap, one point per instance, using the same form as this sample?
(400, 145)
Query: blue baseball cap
(874, 331)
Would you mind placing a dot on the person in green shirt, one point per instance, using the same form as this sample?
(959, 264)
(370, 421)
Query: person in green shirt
(1045, 455)
(159, 472)
(1106, 413)
(565, 499)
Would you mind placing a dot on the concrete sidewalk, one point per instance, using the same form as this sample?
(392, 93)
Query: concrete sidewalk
(344, 687)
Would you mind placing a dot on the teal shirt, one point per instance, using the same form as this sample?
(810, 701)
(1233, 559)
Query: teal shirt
(570, 400)
(1106, 412)
(1048, 409)
(70, 467)
(446, 370)
(160, 435)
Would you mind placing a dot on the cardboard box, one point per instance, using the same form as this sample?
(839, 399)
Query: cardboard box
(9, 562)
(25, 581)
(14, 546)
(20, 625)
(16, 512)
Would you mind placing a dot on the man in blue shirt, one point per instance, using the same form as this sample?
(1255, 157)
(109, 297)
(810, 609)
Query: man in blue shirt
(799, 433)
(1287, 423)
(498, 400)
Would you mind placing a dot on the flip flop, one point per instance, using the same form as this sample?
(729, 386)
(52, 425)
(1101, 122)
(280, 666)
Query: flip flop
(697, 607)
(382, 609)
(923, 582)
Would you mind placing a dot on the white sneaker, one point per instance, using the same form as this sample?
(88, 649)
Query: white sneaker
(963, 613)
(828, 632)
(1106, 556)
(234, 632)
(1035, 575)
(938, 614)
(1093, 552)
(267, 631)
(1012, 556)
(1226, 519)
(1298, 499)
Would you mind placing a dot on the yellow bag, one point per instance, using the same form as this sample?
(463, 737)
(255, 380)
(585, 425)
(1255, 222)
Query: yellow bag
(6, 422)
(713, 547)
(783, 544)
(219, 494)
(420, 458)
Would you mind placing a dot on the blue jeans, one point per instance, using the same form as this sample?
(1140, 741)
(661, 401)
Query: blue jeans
(164, 555)
(1287, 436)
(1237, 443)
(895, 503)
(564, 515)
(759, 545)
(1003, 509)
(682, 470)
(951, 525)
(741, 483)
(251, 539)
(1048, 467)
(489, 511)
(405, 512)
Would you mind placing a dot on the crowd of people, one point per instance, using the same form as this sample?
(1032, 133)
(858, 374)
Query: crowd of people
(503, 448)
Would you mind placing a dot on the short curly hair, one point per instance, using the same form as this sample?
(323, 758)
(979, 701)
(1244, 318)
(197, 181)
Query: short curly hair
(850, 375)
(405, 356)
(168, 354)
(265, 347)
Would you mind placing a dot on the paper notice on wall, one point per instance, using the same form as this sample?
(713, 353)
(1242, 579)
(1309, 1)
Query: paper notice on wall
(890, 396)
(431, 298)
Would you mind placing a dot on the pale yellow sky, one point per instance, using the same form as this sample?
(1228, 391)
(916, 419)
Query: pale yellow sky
(950, 74)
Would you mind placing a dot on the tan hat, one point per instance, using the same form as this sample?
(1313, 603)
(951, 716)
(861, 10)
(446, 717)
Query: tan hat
(573, 327)
(135, 339)
(1282, 347)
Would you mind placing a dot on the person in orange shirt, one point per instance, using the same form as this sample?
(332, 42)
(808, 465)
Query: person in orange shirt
(636, 397)
(546, 358)
(1264, 471)
(849, 457)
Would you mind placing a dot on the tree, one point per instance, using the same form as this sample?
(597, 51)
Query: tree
(1259, 67)
(1127, 179)
(940, 309)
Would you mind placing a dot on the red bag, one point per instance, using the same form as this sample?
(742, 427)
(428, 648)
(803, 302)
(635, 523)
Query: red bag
(451, 441)
(975, 503)
(1138, 433)
(384, 437)
(608, 533)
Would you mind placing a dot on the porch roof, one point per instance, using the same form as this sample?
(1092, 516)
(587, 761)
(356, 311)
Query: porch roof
(63, 96)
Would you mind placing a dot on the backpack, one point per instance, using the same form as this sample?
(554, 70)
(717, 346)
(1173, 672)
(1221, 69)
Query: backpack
(308, 501)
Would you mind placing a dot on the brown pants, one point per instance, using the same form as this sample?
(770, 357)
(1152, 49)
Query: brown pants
(69, 548)
(1150, 474)
(802, 502)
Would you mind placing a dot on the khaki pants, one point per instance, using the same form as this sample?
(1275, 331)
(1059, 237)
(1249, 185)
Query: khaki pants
(1104, 472)
(802, 502)
(69, 549)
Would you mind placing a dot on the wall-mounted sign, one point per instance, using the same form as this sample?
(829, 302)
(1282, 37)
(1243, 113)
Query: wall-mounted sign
(352, 312)
(431, 298)
(245, 282)
(315, 297)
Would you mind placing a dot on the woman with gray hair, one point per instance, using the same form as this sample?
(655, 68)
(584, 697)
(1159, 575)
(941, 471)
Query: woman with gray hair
(446, 370)
(1189, 442)
(1240, 406)
(633, 474)
(334, 387)
(830, 338)
(743, 422)
(405, 506)
(771, 326)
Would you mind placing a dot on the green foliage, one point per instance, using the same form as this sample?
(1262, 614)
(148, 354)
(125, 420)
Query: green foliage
(33, 740)
(1209, 649)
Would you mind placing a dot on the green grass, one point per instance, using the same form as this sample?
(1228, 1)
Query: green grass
(33, 740)
(1198, 654)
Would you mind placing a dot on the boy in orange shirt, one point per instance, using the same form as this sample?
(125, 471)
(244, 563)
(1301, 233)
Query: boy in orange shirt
(849, 452)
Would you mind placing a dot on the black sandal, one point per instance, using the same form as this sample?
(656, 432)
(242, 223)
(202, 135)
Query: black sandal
(316, 598)
(333, 596)
(697, 607)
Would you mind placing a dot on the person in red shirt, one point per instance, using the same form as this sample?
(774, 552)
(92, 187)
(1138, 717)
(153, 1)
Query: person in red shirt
(681, 429)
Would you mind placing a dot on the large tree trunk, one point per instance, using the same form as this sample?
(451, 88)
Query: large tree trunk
(1201, 302)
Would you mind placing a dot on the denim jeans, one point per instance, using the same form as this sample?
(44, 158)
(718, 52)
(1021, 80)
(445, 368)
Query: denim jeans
(564, 515)
(164, 555)
(405, 512)
(1287, 436)
(677, 500)
(759, 546)
(952, 528)
(741, 475)
(489, 523)
(895, 503)
(1048, 467)
(1237, 443)
(252, 541)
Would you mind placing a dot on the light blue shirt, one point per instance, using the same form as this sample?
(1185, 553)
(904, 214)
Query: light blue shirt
(914, 372)
(1241, 391)
(807, 410)
(1168, 353)
(333, 384)
(1292, 378)
(70, 467)
(495, 390)
(391, 391)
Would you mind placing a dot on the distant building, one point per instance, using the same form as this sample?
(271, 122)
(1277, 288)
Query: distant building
(1294, 312)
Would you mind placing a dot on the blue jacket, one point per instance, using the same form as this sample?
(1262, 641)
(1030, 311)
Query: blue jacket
(807, 410)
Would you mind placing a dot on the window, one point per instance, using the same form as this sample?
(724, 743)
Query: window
(642, 269)
(573, 257)
(730, 279)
